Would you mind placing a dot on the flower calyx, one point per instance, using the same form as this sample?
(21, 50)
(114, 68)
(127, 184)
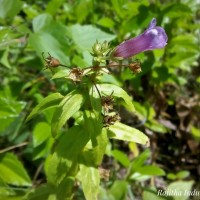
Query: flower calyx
(50, 61)
(107, 102)
(110, 119)
(76, 74)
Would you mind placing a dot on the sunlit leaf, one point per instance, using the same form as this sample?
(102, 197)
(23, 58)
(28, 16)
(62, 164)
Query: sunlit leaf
(183, 188)
(119, 189)
(67, 107)
(90, 181)
(123, 132)
(151, 170)
(121, 157)
(12, 171)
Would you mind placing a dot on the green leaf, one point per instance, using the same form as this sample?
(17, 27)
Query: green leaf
(106, 22)
(12, 171)
(151, 170)
(56, 168)
(72, 142)
(95, 100)
(118, 92)
(84, 36)
(65, 189)
(53, 6)
(123, 132)
(118, 7)
(67, 107)
(90, 179)
(156, 126)
(41, 132)
(182, 188)
(46, 192)
(119, 189)
(95, 149)
(171, 176)
(51, 39)
(41, 21)
(140, 159)
(149, 194)
(182, 174)
(42, 140)
(10, 112)
(61, 74)
(48, 102)
(121, 157)
(195, 132)
(43, 149)
(9, 9)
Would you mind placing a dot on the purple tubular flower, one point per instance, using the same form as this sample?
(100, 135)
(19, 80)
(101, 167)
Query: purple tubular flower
(152, 38)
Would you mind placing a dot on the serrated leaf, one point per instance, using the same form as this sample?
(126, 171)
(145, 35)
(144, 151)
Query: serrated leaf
(118, 92)
(90, 179)
(123, 132)
(48, 102)
(12, 171)
(67, 107)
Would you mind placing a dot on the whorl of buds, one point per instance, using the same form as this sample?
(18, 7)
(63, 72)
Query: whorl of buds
(100, 51)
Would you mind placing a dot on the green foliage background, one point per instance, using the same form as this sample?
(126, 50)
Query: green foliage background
(166, 95)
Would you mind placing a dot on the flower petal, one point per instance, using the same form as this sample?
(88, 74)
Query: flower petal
(153, 38)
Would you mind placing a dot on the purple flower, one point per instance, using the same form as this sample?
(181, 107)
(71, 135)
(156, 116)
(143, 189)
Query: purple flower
(152, 38)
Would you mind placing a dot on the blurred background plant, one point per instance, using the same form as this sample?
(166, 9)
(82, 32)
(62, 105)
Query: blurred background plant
(165, 93)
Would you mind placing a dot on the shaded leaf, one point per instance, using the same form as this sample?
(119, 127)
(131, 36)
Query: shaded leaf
(48, 102)
(9, 9)
(41, 21)
(84, 36)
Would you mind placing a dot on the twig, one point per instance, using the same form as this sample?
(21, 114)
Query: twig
(14, 147)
